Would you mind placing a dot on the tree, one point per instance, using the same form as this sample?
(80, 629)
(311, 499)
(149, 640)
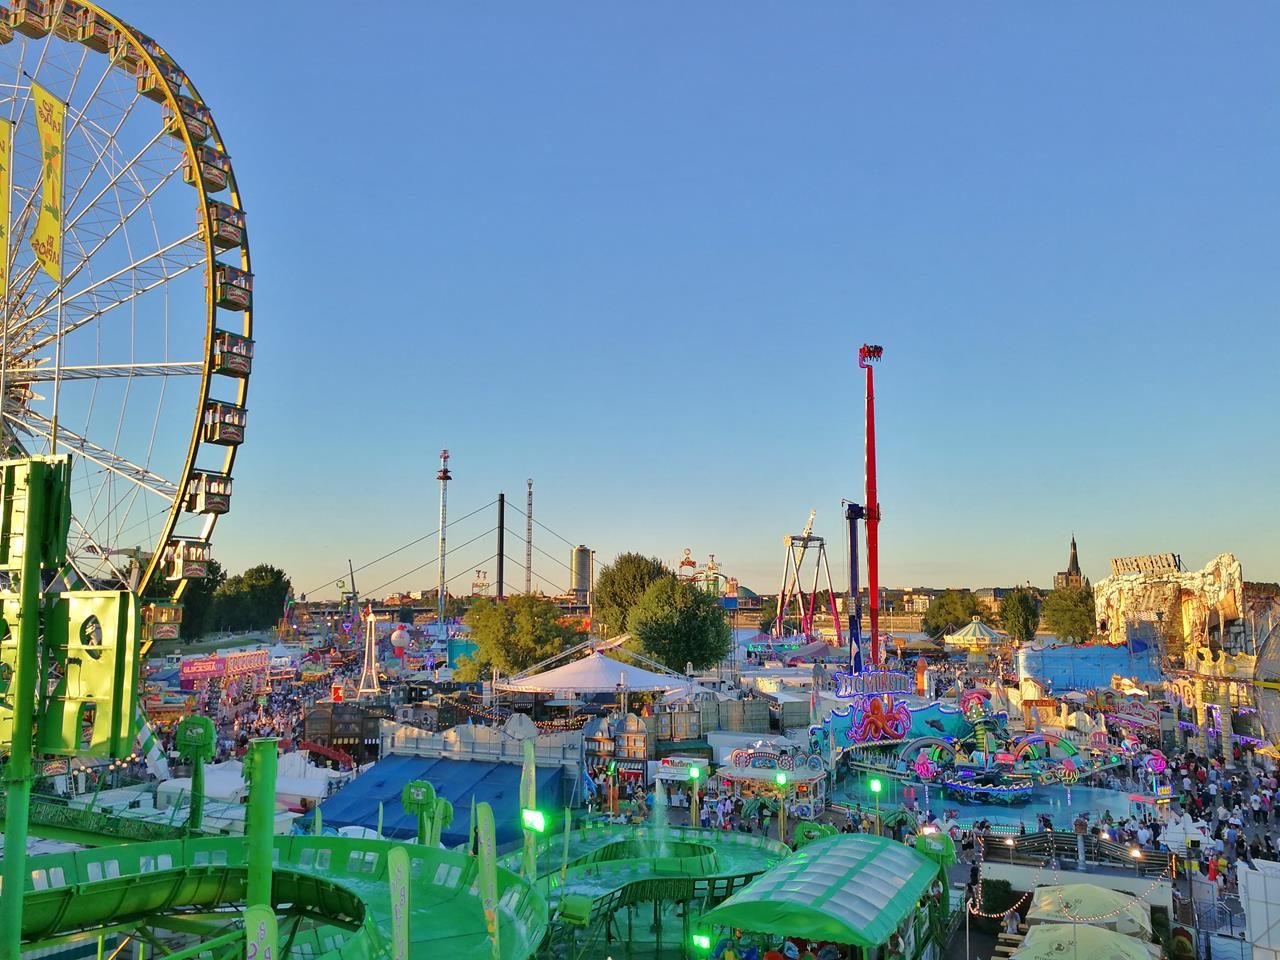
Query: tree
(197, 598)
(1069, 614)
(197, 601)
(769, 613)
(951, 611)
(677, 624)
(252, 600)
(1020, 615)
(513, 636)
(619, 587)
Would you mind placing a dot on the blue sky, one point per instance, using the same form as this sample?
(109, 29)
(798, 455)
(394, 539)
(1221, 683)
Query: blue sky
(631, 251)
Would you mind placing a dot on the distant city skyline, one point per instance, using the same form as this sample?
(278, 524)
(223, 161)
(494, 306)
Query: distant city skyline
(632, 255)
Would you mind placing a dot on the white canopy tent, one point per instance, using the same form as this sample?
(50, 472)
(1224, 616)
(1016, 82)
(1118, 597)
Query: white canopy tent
(594, 673)
(974, 635)
(1086, 903)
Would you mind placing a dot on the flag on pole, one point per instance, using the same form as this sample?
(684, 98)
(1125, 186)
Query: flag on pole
(46, 239)
(6, 191)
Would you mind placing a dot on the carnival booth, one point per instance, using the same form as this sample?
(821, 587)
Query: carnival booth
(799, 779)
(682, 769)
(251, 665)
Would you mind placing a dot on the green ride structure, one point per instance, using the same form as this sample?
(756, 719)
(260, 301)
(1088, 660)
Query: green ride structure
(68, 688)
(69, 662)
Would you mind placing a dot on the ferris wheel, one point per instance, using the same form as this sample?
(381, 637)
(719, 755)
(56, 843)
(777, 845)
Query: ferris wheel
(137, 360)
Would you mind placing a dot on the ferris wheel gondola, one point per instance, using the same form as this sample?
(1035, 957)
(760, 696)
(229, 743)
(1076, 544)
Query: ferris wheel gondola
(137, 360)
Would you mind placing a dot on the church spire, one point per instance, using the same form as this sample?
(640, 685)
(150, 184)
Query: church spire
(1073, 565)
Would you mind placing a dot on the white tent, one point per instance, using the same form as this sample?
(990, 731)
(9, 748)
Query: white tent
(595, 673)
(1087, 903)
(1177, 836)
(974, 635)
(222, 781)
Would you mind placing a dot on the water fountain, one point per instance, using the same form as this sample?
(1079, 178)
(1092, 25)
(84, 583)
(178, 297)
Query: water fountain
(660, 829)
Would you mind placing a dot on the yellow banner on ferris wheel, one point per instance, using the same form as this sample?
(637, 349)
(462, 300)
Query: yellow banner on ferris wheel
(46, 239)
(6, 191)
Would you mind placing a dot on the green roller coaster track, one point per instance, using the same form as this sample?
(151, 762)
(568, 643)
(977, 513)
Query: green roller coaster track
(332, 894)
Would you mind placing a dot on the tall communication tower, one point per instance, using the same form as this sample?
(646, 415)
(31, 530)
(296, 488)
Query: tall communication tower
(444, 477)
(528, 540)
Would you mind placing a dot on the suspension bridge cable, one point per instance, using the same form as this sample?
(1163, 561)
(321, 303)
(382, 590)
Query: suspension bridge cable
(406, 546)
(465, 572)
(549, 556)
(548, 582)
(540, 524)
(423, 566)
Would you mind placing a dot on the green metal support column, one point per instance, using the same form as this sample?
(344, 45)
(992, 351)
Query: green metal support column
(260, 825)
(196, 740)
(19, 772)
(195, 821)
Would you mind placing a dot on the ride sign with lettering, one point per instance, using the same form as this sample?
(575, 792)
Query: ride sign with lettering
(260, 933)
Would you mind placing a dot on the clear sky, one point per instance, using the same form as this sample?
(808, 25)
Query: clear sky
(631, 250)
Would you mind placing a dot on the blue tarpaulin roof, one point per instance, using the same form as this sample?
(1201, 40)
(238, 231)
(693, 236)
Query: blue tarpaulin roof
(457, 781)
(168, 677)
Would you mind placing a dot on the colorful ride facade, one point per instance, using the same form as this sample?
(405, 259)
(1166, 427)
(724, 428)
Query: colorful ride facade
(963, 747)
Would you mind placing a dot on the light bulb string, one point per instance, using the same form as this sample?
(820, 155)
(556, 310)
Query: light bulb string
(974, 905)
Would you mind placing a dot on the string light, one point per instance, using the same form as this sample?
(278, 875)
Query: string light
(977, 911)
(499, 716)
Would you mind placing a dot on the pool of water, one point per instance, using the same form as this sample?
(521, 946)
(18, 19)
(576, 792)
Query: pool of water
(1060, 803)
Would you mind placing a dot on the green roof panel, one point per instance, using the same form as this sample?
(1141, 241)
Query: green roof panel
(850, 888)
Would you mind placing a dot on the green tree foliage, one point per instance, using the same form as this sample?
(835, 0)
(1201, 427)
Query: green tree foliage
(197, 599)
(619, 587)
(513, 636)
(1020, 615)
(197, 602)
(1069, 614)
(951, 611)
(676, 624)
(769, 610)
(769, 613)
(253, 600)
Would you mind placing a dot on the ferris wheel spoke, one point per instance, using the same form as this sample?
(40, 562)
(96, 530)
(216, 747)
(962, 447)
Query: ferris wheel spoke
(77, 115)
(148, 277)
(118, 223)
(87, 544)
(107, 371)
(39, 425)
(109, 138)
(33, 72)
(102, 150)
(126, 171)
(15, 117)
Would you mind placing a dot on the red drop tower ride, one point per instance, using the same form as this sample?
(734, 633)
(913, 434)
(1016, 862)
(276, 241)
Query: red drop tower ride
(867, 355)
